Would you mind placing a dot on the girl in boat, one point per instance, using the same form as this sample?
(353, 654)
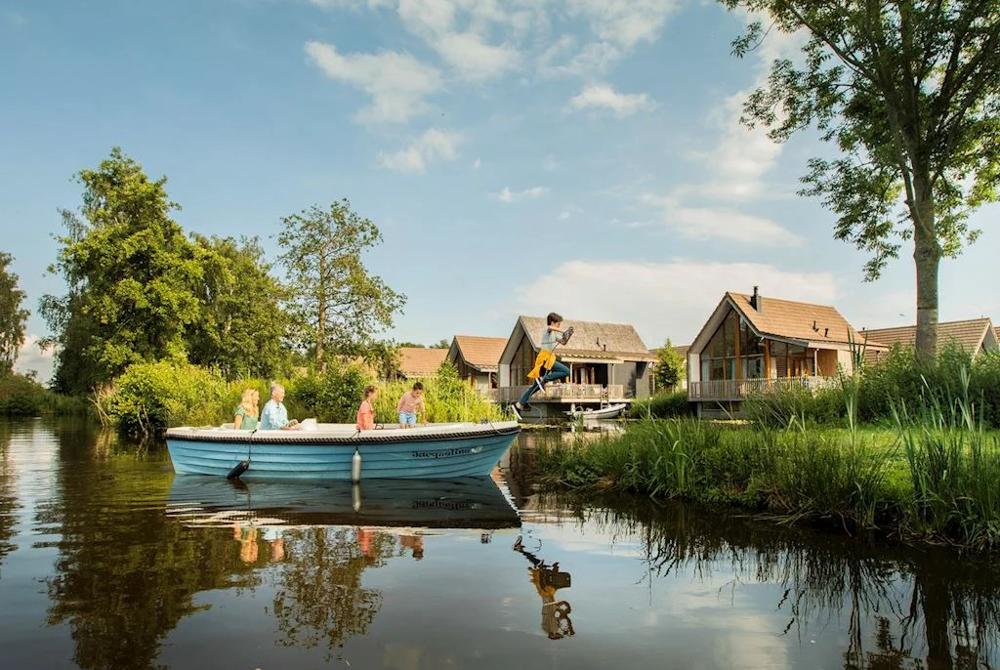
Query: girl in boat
(366, 412)
(247, 411)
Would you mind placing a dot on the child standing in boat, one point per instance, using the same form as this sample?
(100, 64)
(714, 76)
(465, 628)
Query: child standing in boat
(366, 412)
(547, 367)
(410, 404)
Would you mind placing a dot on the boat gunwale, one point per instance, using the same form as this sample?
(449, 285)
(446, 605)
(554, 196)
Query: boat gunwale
(233, 436)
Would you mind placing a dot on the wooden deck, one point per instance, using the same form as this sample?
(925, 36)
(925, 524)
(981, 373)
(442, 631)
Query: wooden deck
(563, 393)
(738, 389)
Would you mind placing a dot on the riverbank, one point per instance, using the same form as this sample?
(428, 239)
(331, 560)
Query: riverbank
(930, 479)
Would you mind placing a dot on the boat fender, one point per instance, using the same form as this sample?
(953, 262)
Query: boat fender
(244, 465)
(356, 466)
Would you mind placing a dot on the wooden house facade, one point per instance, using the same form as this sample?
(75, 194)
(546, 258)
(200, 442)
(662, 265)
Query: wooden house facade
(753, 343)
(477, 359)
(608, 362)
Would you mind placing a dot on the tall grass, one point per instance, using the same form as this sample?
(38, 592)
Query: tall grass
(954, 467)
(447, 397)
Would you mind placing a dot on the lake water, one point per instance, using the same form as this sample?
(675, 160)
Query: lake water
(107, 560)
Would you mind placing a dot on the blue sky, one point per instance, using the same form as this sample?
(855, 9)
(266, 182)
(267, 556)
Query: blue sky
(522, 156)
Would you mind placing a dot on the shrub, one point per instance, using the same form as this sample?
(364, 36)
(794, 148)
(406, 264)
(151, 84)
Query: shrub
(150, 396)
(23, 396)
(330, 397)
(663, 406)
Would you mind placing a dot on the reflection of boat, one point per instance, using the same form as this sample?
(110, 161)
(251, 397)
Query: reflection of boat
(433, 451)
(609, 412)
(471, 502)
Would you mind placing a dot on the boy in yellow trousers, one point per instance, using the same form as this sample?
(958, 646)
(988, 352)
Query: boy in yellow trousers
(547, 368)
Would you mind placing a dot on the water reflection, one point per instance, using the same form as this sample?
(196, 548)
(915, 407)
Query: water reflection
(142, 569)
(904, 608)
(547, 580)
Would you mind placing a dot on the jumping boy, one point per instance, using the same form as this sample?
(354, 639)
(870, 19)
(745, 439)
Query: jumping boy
(547, 368)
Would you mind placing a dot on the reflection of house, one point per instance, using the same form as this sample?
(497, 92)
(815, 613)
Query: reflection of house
(752, 343)
(477, 359)
(973, 335)
(607, 361)
(416, 362)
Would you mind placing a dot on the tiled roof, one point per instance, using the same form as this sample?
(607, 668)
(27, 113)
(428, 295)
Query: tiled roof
(796, 320)
(481, 352)
(420, 362)
(593, 339)
(967, 334)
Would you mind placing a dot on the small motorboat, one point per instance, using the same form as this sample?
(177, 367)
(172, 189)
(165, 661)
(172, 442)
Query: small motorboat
(432, 451)
(471, 502)
(609, 412)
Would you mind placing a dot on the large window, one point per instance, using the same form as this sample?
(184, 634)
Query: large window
(734, 352)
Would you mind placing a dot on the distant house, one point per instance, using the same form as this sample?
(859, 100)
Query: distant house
(417, 362)
(973, 335)
(752, 343)
(607, 361)
(477, 359)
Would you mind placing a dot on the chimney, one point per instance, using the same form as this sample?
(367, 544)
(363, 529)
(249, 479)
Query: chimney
(756, 300)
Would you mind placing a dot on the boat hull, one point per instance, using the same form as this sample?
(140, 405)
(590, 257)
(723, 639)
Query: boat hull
(395, 455)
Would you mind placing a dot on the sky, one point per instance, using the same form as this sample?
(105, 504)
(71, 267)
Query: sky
(582, 156)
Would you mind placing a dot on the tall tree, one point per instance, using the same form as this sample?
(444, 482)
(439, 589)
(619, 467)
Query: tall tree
(909, 91)
(243, 327)
(131, 274)
(12, 316)
(338, 305)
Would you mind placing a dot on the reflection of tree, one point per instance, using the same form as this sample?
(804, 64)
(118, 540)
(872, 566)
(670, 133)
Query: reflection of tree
(943, 604)
(8, 499)
(319, 598)
(126, 573)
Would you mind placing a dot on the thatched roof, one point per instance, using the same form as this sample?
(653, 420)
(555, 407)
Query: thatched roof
(593, 339)
(968, 334)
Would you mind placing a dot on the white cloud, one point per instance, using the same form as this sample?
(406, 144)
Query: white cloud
(604, 96)
(474, 59)
(433, 145)
(31, 357)
(676, 296)
(533, 193)
(564, 215)
(397, 83)
(625, 23)
(476, 164)
(703, 223)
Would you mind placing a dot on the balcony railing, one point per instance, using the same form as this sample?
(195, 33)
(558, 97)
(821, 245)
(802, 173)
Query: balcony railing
(562, 393)
(738, 389)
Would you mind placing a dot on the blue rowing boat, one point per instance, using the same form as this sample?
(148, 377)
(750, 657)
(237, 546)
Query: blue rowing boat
(433, 451)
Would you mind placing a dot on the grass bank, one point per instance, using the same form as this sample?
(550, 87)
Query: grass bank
(934, 477)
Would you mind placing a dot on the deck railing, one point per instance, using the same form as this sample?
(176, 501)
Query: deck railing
(562, 393)
(738, 389)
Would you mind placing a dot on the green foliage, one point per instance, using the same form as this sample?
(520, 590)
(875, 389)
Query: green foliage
(337, 305)
(23, 396)
(12, 316)
(131, 274)
(662, 406)
(909, 93)
(330, 397)
(447, 397)
(671, 367)
(150, 396)
(242, 327)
